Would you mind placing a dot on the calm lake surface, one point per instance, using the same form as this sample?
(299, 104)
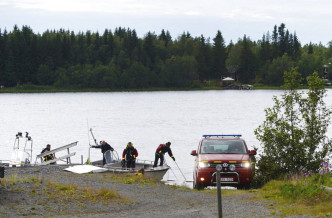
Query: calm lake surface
(144, 118)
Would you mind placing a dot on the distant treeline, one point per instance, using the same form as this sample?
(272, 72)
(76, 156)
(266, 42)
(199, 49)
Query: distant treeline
(121, 60)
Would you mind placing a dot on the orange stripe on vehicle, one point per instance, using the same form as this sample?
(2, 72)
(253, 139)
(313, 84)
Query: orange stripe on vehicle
(232, 161)
(217, 161)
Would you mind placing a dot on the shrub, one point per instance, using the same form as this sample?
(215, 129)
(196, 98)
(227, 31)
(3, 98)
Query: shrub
(293, 135)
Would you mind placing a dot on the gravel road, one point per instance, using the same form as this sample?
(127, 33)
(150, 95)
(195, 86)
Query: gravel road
(24, 194)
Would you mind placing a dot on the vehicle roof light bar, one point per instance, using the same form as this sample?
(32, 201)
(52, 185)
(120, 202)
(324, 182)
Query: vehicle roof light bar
(220, 135)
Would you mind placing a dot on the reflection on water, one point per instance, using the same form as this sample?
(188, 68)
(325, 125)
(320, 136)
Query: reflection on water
(144, 118)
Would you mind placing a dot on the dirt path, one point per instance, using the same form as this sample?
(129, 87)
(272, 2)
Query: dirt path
(24, 194)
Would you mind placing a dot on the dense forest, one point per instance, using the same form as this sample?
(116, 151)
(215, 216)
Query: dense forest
(122, 60)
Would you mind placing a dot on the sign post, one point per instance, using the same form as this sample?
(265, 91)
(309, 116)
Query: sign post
(219, 168)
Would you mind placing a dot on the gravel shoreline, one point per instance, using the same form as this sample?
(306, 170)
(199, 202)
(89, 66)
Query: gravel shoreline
(24, 195)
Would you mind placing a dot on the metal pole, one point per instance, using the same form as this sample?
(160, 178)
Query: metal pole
(88, 161)
(180, 171)
(219, 192)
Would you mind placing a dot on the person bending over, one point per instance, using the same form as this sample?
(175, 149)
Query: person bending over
(161, 150)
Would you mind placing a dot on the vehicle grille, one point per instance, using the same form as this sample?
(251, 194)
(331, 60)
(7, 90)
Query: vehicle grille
(213, 165)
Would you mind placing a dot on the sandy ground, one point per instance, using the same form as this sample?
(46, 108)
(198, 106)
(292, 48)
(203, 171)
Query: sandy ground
(30, 191)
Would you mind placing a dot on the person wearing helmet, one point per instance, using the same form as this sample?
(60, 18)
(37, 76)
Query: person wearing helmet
(129, 155)
(161, 150)
(104, 146)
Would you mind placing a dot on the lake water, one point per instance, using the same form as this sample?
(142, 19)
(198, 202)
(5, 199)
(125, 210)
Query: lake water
(144, 118)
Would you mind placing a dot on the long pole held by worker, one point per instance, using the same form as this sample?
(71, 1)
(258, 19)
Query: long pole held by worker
(171, 170)
(180, 171)
(88, 161)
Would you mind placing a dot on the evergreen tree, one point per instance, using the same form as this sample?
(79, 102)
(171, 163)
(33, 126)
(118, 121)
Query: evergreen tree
(203, 57)
(296, 47)
(265, 49)
(310, 48)
(149, 50)
(219, 56)
(275, 46)
(246, 62)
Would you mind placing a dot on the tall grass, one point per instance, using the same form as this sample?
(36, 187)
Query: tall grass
(302, 194)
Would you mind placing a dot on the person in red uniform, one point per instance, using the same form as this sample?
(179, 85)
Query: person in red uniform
(129, 155)
(161, 150)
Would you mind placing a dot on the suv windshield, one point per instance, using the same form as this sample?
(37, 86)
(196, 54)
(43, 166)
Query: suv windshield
(223, 147)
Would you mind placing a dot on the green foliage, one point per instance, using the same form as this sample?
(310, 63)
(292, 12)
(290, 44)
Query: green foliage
(129, 179)
(219, 55)
(308, 188)
(278, 66)
(298, 196)
(121, 60)
(181, 71)
(246, 62)
(309, 193)
(293, 135)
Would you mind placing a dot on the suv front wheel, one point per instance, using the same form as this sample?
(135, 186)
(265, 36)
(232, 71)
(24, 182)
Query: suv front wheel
(196, 185)
(245, 186)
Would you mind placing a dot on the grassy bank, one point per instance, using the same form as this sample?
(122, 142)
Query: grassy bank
(208, 85)
(29, 88)
(56, 90)
(290, 199)
(304, 194)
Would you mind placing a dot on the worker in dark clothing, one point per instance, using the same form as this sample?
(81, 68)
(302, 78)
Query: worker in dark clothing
(161, 150)
(129, 156)
(104, 147)
(49, 156)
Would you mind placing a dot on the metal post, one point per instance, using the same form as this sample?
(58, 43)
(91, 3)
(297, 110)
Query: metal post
(218, 167)
(68, 158)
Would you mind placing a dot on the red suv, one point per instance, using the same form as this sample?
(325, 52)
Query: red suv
(231, 152)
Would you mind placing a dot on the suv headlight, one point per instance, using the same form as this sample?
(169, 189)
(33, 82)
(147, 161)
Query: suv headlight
(232, 167)
(202, 164)
(245, 164)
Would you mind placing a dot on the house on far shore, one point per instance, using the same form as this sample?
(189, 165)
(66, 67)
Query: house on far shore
(227, 79)
(227, 82)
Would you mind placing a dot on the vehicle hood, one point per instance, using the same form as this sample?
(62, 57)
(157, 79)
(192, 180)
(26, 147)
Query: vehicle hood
(223, 157)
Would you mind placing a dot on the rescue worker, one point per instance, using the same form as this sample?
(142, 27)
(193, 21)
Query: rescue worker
(161, 150)
(49, 156)
(104, 147)
(129, 156)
